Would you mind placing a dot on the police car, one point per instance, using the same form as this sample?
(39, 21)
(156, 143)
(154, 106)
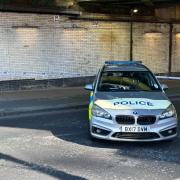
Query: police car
(127, 103)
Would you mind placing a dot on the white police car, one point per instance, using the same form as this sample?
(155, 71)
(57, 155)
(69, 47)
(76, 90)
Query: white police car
(127, 103)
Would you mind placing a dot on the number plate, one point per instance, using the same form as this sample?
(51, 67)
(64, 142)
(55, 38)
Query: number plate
(134, 129)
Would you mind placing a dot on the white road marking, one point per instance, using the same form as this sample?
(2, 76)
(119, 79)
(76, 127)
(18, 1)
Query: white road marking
(168, 77)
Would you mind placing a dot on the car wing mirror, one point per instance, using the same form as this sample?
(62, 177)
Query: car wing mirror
(164, 87)
(89, 87)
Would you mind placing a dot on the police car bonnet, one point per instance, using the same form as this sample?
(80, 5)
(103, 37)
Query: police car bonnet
(133, 103)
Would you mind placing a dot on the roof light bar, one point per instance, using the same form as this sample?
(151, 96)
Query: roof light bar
(122, 62)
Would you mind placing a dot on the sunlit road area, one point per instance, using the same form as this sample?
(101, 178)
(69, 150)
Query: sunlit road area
(56, 145)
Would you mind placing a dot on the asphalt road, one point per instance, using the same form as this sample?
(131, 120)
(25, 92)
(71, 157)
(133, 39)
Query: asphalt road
(56, 145)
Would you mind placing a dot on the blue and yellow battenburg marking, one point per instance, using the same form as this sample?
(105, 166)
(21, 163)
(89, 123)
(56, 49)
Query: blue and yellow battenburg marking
(90, 105)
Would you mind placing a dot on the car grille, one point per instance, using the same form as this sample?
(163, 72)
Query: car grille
(125, 119)
(146, 120)
(129, 135)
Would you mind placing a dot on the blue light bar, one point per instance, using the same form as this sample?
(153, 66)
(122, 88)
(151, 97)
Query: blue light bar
(122, 62)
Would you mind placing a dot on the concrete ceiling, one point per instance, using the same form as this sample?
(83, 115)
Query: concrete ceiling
(74, 7)
(145, 7)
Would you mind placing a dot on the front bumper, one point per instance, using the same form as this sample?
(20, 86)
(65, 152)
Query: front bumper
(106, 129)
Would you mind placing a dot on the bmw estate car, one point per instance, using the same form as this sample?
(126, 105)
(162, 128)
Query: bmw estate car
(127, 103)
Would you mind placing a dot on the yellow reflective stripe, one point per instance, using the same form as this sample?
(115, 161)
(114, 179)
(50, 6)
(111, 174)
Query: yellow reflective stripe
(90, 110)
(90, 105)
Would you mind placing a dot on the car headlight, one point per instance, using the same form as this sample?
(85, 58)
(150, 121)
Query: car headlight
(99, 112)
(169, 112)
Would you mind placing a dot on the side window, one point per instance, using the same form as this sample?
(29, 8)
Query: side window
(153, 82)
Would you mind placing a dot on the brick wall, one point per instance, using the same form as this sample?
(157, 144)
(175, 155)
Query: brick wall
(151, 44)
(34, 46)
(51, 49)
(176, 49)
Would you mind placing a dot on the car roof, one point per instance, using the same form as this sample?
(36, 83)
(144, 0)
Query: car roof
(124, 66)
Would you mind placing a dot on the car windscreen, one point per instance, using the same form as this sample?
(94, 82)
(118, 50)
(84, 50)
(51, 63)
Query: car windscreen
(128, 81)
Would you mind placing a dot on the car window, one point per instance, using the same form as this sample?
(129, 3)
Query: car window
(128, 81)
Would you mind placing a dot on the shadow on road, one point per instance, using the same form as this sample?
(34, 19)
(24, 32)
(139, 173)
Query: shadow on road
(73, 127)
(40, 168)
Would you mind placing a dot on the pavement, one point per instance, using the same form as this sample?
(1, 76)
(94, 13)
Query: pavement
(33, 101)
(21, 102)
(174, 87)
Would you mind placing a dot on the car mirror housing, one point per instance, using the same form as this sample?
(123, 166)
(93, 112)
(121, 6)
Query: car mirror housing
(164, 87)
(89, 87)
